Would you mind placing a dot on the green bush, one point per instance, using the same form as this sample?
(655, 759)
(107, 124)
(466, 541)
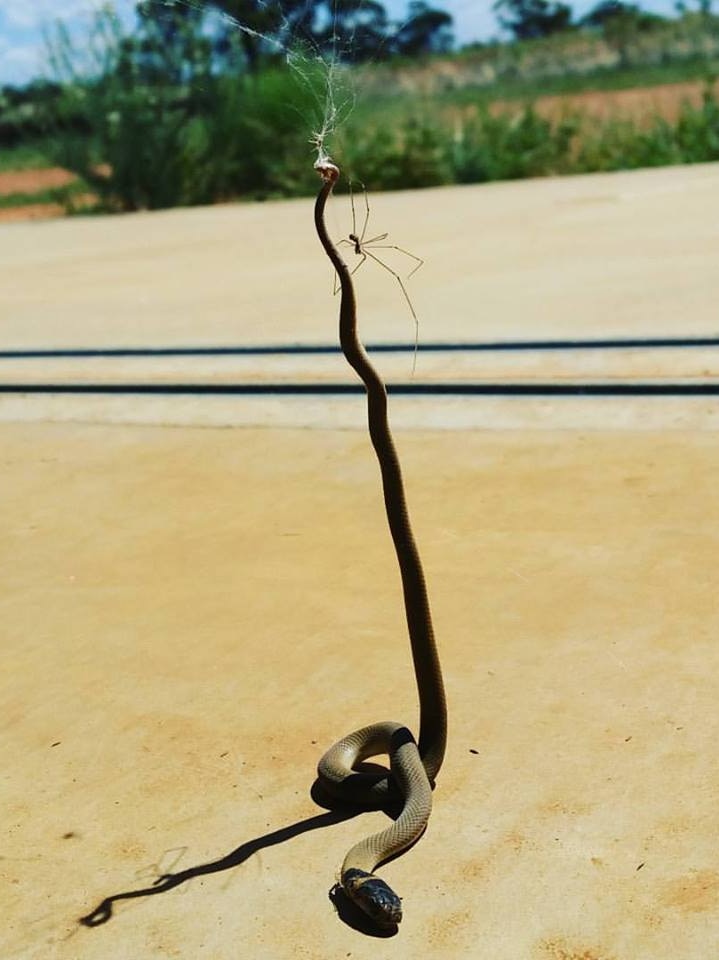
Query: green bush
(156, 118)
(144, 147)
(127, 145)
(154, 125)
(618, 145)
(148, 123)
(511, 146)
(419, 153)
(409, 155)
(697, 130)
(254, 137)
(623, 145)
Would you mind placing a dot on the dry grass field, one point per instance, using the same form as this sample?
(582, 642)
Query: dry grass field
(639, 103)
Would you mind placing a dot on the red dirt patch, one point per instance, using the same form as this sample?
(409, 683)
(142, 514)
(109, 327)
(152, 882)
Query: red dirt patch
(31, 211)
(639, 103)
(32, 181)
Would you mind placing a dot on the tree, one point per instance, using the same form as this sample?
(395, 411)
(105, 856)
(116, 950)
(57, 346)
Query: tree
(528, 19)
(603, 12)
(705, 7)
(168, 46)
(629, 14)
(359, 30)
(426, 30)
(621, 24)
(354, 32)
(264, 28)
(351, 30)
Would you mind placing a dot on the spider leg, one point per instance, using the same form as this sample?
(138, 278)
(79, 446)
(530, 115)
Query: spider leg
(382, 236)
(363, 255)
(393, 246)
(337, 285)
(335, 275)
(366, 216)
(368, 253)
(354, 214)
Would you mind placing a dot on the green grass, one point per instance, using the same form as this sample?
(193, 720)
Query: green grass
(224, 137)
(64, 196)
(599, 80)
(242, 145)
(426, 148)
(395, 104)
(33, 155)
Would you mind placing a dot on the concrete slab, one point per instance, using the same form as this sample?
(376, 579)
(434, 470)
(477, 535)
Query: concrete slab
(607, 366)
(620, 254)
(191, 615)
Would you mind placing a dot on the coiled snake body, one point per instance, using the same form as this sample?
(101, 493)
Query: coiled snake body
(413, 765)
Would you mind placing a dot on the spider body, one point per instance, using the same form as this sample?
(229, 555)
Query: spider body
(365, 248)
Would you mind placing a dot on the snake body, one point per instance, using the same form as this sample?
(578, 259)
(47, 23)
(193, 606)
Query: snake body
(414, 765)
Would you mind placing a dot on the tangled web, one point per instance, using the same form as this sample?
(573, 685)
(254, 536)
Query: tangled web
(317, 39)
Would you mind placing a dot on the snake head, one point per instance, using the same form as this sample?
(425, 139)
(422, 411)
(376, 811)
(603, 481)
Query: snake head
(373, 896)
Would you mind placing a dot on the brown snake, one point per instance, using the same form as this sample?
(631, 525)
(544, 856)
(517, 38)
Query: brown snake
(413, 765)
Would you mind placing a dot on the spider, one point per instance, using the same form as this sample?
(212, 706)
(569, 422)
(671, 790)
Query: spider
(362, 248)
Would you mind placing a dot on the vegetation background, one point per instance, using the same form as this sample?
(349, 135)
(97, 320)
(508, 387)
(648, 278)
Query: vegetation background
(187, 108)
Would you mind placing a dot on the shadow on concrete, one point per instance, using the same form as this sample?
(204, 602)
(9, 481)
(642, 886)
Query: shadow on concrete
(103, 911)
(336, 812)
(355, 918)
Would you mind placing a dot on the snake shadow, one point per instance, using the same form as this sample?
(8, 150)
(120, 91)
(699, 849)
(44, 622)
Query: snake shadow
(104, 910)
(346, 910)
(334, 813)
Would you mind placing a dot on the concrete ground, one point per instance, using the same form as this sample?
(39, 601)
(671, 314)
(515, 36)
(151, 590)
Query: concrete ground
(193, 612)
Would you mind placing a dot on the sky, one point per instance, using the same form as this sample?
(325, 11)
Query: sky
(23, 22)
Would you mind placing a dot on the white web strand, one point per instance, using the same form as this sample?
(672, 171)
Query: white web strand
(333, 97)
(325, 75)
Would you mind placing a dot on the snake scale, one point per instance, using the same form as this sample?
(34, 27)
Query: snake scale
(414, 765)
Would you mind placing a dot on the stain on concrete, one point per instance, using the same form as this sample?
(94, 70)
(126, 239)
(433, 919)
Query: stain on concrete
(561, 949)
(474, 869)
(697, 892)
(566, 807)
(444, 930)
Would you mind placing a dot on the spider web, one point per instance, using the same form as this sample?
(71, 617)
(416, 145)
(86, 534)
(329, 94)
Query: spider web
(323, 72)
(328, 75)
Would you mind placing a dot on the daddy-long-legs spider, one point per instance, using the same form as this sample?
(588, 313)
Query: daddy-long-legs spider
(364, 248)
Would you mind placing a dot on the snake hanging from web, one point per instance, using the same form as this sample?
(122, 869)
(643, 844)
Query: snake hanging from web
(414, 765)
